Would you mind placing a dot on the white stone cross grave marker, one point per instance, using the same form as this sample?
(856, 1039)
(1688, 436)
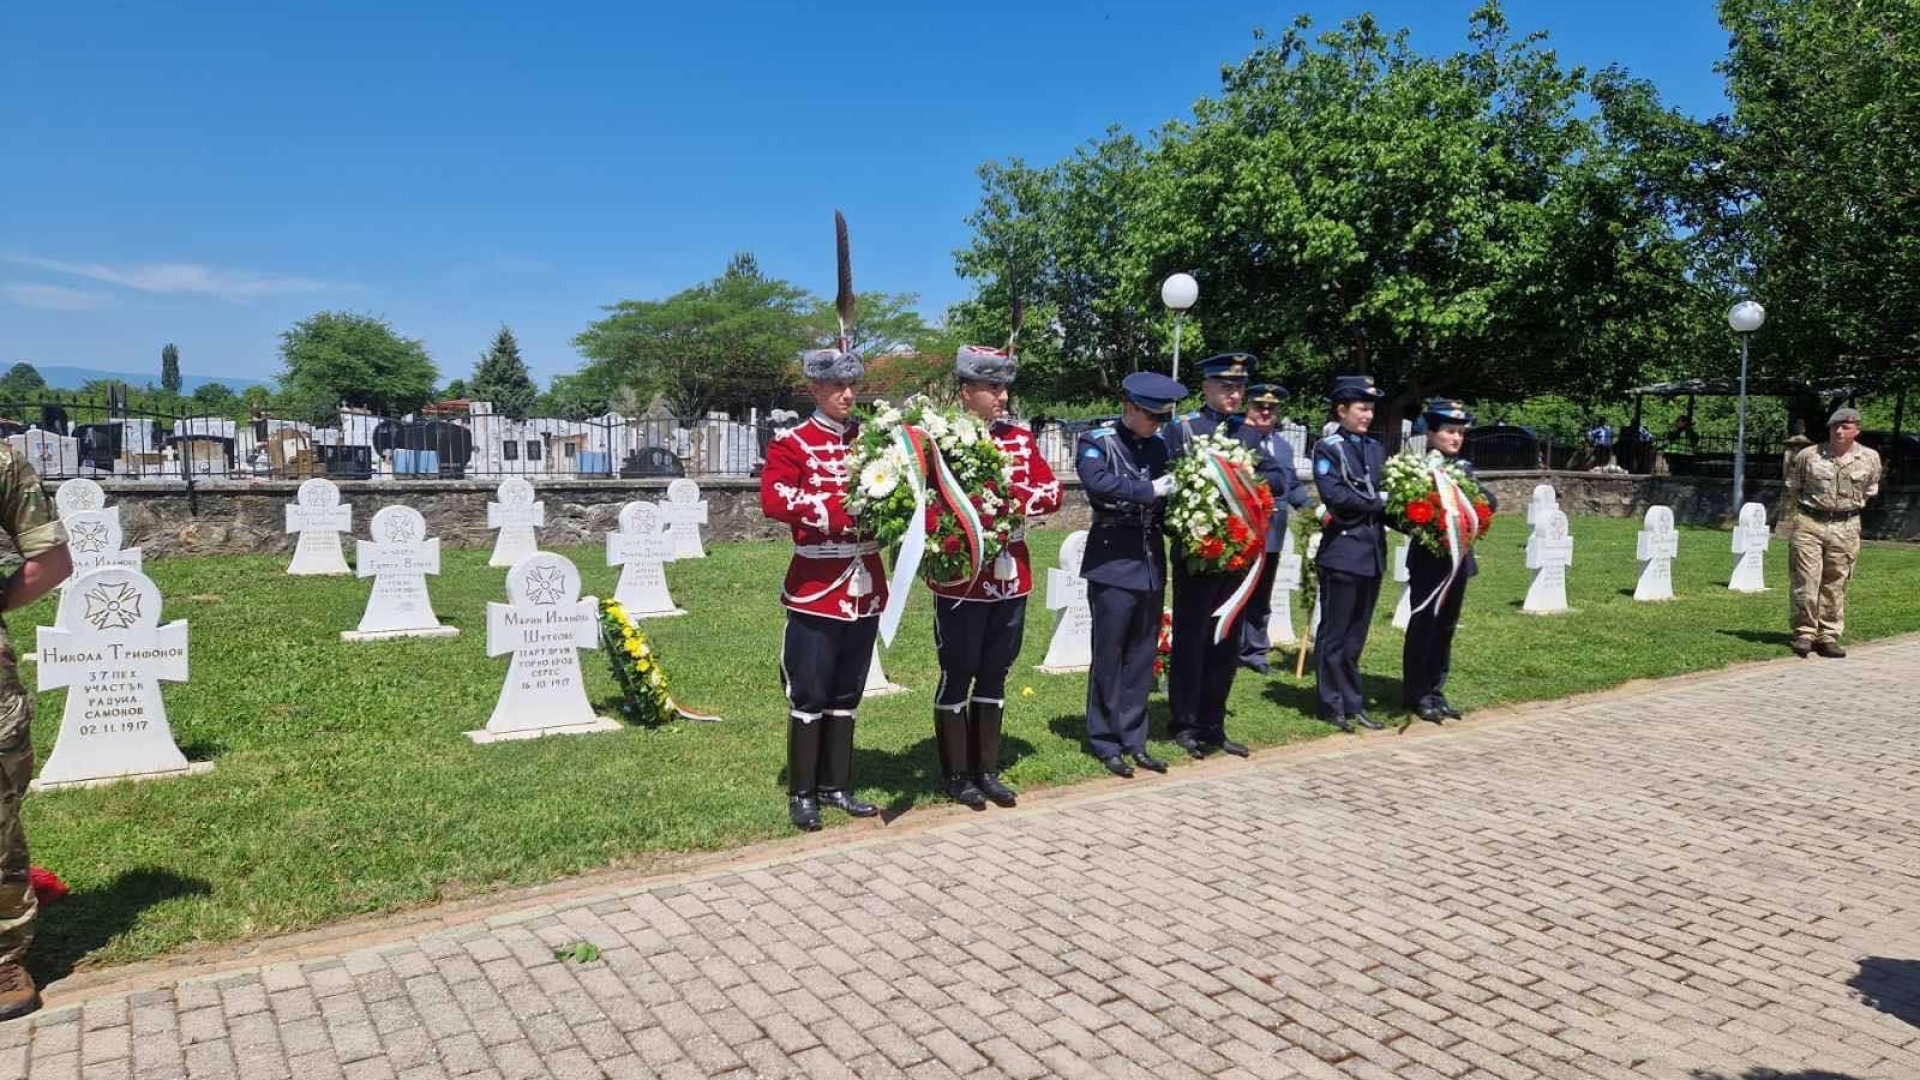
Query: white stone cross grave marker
(1750, 539)
(93, 541)
(1545, 503)
(1071, 647)
(398, 559)
(516, 515)
(684, 512)
(318, 517)
(1287, 578)
(1549, 553)
(877, 683)
(112, 661)
(641, 548)
(1403, 608)
(1657, 546)
(544, 624)
(81, 493)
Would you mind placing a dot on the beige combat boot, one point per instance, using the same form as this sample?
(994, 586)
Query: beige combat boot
(18, 995)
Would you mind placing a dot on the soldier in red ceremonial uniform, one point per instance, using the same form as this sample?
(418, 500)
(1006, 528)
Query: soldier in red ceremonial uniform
(835, 587)
(978, 624)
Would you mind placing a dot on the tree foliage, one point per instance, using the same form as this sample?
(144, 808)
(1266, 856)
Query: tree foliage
(727, 343)
(337, 357)
(501, 377)
(170, 368)
(22, 382)
(1452, 224)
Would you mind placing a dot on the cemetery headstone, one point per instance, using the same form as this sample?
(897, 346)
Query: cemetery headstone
(94, 540)
(544, 624)
(1403, 608)
(317, 516)
(1549, 553)
(81, 493)
(1750, 539)
(112, 658)
(1071, 647)
(641, 548)
(1657, 546)
(877, 682)
(516, 514)
(684, 512)
(1287, 578)
(51, 455)
(1545, 503)
(398, 559)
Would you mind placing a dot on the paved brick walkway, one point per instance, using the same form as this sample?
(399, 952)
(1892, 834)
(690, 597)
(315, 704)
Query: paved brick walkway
(1716, 877)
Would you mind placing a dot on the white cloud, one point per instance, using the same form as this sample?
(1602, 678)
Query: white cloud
(180, 278)
(54, 297)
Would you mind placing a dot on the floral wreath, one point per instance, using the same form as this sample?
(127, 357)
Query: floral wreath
(636, 670)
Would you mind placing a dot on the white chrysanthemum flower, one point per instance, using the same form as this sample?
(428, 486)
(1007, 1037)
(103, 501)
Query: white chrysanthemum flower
(879, 478)
(934, 423)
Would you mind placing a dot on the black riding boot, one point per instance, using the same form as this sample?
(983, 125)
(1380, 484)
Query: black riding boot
(983, 752)
(950, 735)
(836, 768)
(803, 772)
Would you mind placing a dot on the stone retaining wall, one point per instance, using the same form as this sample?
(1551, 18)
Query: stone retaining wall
(247, 517)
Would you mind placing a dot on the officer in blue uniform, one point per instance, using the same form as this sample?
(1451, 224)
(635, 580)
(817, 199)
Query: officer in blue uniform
(1428, 653)
(1348, 466)
(1263, 415)
(1202, 671)
(1123, 468)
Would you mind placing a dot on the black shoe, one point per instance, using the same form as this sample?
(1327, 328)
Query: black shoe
(1118, 766)
(961, 790)
(1234, 748)
(846, 800)
(1829, 649)
(1801, 646)
(1341, 723)
(1149, 762)
(1430, 712)
(1447, 710)
(996, 792)
(804, 812)
(1368, 722)
(1186, 741)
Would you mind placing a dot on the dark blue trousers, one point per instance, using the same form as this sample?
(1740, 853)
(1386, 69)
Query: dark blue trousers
(977, 642)
(1346, 613)
(1254, 643)
(1203, 671)
(1126, 630)
(1428, 654)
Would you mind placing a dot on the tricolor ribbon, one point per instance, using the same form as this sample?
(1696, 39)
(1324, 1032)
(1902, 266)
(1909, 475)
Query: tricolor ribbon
(1233, 484)
(1456, 515)
(923, 457)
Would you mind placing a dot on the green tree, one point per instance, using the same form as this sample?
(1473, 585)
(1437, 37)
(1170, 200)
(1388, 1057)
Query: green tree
(215, 398)
(730, 342)
(170, 368)
(501, 377)
(22, 382)
(887, 323)
(336, 357)
(455, 390)
(1458, 223)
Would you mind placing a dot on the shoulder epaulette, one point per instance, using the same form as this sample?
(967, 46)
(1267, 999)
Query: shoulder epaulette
(1100, 432)
(1330, 440)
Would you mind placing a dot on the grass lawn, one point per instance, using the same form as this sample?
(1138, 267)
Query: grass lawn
(345, 787)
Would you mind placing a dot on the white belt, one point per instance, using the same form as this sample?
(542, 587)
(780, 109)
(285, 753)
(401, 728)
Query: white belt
(836, 551)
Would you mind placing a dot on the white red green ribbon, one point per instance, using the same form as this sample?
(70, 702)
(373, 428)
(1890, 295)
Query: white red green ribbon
(1457, 515)
(923, 456)
(1234, 487)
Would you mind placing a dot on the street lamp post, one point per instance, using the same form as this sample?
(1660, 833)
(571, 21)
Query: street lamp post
(1744, 317)
(1179, 293)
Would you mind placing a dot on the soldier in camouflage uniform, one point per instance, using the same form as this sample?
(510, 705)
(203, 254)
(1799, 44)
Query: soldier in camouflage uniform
(28, 518)
(1827, 487)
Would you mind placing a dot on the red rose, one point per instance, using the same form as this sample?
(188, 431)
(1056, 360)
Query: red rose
(951, 545)
(1159, 667)
(1485, 514)
(992, 487)
(1211, 548)
(1237, 531)
(1238, 562)
(1420, 513)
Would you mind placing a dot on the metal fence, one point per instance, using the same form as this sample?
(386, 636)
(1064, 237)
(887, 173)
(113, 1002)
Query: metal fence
(69, 437)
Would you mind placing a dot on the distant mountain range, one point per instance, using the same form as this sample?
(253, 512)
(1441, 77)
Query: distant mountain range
(65, 377)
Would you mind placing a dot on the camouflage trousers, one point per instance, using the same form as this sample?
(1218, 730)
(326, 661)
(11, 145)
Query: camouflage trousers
(1823, 558)
(17, 904)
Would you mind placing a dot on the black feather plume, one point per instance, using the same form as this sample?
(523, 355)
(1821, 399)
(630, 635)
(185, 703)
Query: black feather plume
(1019, 316)
(843, 299)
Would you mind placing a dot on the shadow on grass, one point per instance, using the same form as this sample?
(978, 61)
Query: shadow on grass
(87, 919)
(1892, 986)
(1762, 637)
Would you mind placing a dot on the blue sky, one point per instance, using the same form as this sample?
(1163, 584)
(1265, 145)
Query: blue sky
(207, 173)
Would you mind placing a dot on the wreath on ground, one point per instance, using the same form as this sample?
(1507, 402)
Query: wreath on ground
(644, 699)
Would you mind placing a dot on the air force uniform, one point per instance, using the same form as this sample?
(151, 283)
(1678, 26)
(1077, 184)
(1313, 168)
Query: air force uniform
(1348, 468)
(1427, 655)
(1254, 643)
(1126, 569)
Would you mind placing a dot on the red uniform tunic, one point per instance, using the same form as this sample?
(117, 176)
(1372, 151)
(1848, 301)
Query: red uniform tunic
(803, 484)
(1035, 493)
